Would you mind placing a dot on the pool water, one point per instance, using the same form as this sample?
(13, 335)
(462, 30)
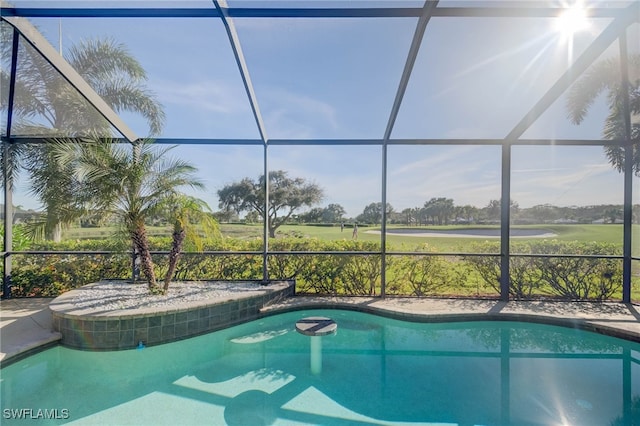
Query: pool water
(375, 370)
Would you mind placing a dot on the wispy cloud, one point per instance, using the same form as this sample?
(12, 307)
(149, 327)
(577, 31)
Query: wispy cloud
(466, 174)
(539, 170)
(567, 186)
(443, 159)
(560, 177)
(203, 95)
(292, 115)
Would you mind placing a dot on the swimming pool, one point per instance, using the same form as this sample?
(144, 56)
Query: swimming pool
(375, 370)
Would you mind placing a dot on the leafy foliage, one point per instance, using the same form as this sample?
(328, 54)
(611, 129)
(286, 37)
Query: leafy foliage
(51, 275)
(48, 105)
(342, 268)
(604, 77)
(132, 184)
(286, 196)
(21, 240)
(567, 276)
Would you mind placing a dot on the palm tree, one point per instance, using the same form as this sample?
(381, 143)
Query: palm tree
(46, 105)
(183, 211)
(130, 184)
(604, 77)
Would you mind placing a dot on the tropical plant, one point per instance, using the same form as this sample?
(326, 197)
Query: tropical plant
(185, 212)
(604, 77)
(129, 183)
(20, 239)
(46, 104)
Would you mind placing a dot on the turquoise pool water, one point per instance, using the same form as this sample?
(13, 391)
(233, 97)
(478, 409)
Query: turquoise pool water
(374, 371)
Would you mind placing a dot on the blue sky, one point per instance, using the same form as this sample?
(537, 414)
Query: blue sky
(337, 78)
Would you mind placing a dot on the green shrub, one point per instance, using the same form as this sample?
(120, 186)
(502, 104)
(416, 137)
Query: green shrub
(349, 271)
(568, 276)
(50, 275)
(417, 275)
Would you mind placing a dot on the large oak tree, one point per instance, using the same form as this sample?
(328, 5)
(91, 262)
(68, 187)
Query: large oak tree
(286, 196)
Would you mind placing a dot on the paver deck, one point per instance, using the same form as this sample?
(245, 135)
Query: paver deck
(26, 324)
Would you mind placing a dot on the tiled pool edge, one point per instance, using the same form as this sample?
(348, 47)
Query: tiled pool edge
(119, 330)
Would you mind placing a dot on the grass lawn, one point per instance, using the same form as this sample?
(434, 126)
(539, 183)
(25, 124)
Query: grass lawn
(588, 232)
(574, 232)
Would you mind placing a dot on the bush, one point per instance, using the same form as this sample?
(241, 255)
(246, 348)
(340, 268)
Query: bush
(328, 274)
(417, 275)
(51, 275)
(346, 272)
(571, 276)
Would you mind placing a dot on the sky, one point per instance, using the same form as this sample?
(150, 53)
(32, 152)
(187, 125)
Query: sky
(337, 78)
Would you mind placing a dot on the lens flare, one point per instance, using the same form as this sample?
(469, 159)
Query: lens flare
(573, 19)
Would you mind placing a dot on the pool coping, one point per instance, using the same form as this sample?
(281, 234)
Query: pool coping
(25, 328)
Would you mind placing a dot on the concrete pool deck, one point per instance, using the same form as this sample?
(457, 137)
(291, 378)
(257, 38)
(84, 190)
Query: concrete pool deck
(26, 324)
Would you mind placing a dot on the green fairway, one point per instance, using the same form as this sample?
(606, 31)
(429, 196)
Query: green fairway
(605, 233)
(587, 232)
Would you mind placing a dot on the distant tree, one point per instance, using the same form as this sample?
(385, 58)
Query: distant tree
(493, 209)
(440, 209)
(543, 213)
(408, 216)
(605, 77)
(252, 217)
(312, 216)
(395, 217)
(613, 214)
(333, 213)
(467, 213)
(373, 213)
(286, 196)
(226, 216)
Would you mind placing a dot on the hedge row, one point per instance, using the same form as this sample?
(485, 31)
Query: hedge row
(422, 274)
(567, 276)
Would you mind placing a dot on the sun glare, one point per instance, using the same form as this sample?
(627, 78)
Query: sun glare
(573, 19)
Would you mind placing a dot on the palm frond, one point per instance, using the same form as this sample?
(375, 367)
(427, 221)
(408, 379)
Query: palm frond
(601, 77)
(126, 96)
(14, 154)
(114, 58)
